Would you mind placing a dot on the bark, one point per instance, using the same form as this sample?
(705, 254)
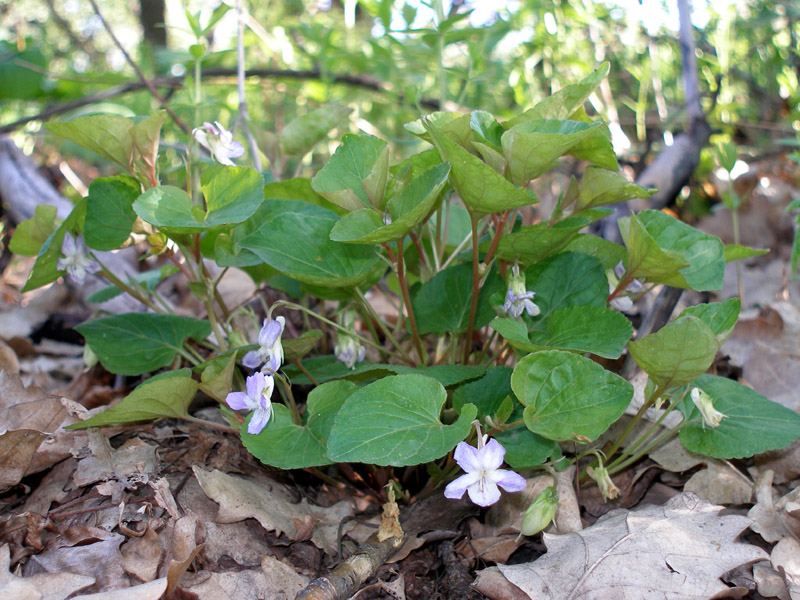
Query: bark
(151, 17)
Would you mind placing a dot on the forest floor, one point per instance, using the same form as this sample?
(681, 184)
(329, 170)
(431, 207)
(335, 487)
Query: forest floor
(175, 508)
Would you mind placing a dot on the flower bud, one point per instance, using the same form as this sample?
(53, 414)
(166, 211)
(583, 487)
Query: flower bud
(608, 490)
(541, 512)
(711, 416)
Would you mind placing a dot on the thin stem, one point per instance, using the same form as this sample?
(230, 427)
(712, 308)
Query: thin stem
(476, 281)
(401, 277)
(736, 240)
(126, 288)
(498, 234)
(371, 311)
(638, 417)
(297, 363)
(211, 424)
(243, 113)
(289, 397)
(322, 319)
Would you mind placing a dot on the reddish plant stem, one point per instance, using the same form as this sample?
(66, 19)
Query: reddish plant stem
(624, 282)
(415, 239)
(476, 281)
(401, 277)
(498, 234)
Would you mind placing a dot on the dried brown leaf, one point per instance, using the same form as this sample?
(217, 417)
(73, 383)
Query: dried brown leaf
(241, 498)
(720, 483)
(771, 519)
(142, 555)
(153, 590)
(43, 586)
(682, 547)
(17, 449)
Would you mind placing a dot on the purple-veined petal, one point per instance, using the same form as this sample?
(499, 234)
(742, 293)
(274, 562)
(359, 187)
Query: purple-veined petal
(509, 480)
(270, 332)
(252, 360)
(68, 245)
(255, 384)
(201, 137)
(491, 455)
(484, 495)
(456, 488)
(238, 400)
(259, 420)
(213, 129)
(468, 457)
(531, 308)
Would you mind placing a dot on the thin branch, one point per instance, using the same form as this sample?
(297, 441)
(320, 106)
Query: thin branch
(147, 83)
(218, 73)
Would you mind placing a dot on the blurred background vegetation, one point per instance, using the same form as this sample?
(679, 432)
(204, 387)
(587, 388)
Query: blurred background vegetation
(390, 60)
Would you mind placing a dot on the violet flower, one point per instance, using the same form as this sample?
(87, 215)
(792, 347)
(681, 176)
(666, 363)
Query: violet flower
(483, 473)
(270, 349)
(258, 398)
(219, 142)
(77, 262)
(519, 299)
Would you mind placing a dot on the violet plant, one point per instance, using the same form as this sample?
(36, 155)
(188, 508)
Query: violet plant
(491, 319)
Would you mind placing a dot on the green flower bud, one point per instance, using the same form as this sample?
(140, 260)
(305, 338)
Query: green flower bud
(600, 475)
(711, 416)
(541, 512)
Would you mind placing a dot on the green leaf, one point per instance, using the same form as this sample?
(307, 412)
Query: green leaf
(109, 212)
(566, 100)
(106, 135)
(294, 238)
(217, 376)
(646, 259)
(167, 395)
(454, 125)
(567, 279)
(601, 186)
(296, 348)
(752, 424)
(136, 343)
(721, 317)
(355, 177)
(567, 396)
(525, 449)
(486, 393)
(608, 253)
(286, 445)
(300, 135)
(703, 253)
(735, 252)
(30, 235)
(597, 148)
(146, 136)
(395, 421)
(233, 195)
(299, 188)
(535, 242)
(594, 329)
(17, 80)
(442, 304)
(408, 209)
(533, 147)
(486, 129)
(483, 190)
(45, 269)
(677, 353)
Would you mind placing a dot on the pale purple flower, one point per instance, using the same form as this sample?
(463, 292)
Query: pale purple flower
(349, 350)
(258, 398)
(270, 349)
(519, 299)
(77, 262)
(219, 142)
(622, 303)
(483, 473)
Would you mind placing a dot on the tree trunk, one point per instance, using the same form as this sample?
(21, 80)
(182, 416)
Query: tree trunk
(151, 17)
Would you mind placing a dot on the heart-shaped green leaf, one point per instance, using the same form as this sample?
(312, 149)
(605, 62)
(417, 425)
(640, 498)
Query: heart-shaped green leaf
(407, 210)
(677, 353)
(294, 238)
(395, 421)
(752, 424)
(107, 135)
(136, 343)
(703, 254)
(285, 445)
(601, 186)
(721, 317)
(109, 212)
(167, 395)
(355, 177)
(483, 190)
(568, 397)
(533, 147)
